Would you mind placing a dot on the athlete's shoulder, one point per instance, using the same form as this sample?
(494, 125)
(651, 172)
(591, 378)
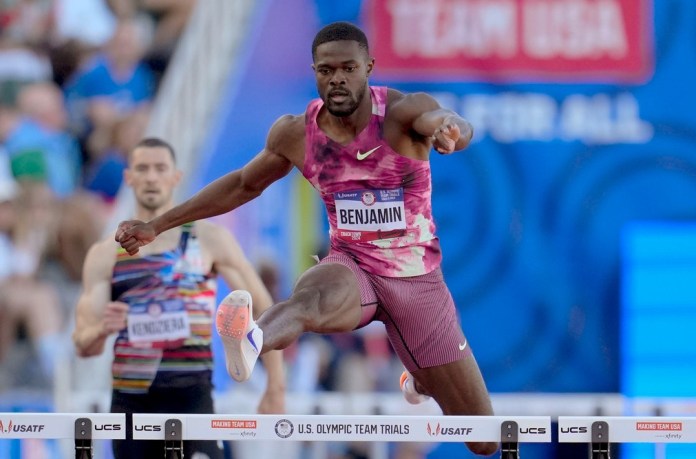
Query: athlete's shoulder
(286, 131)
(412, 100)
(394, 95)
(289, 122)
(105, 245)
(208, 230)
(406, 107)
(212, 235)
(101, 256)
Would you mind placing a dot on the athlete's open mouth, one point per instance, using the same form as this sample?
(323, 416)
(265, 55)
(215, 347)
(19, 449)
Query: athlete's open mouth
(338, 96)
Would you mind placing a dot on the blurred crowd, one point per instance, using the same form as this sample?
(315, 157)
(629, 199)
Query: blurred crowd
(77, 81)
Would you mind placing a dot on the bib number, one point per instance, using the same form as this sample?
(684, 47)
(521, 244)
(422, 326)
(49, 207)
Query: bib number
(368, 215)
(159, 321)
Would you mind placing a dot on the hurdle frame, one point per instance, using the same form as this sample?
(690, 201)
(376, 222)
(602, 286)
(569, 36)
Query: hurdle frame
(600, 432)
(174, 429)
(83, 438)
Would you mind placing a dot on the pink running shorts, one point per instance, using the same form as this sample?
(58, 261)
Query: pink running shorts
(418, 312)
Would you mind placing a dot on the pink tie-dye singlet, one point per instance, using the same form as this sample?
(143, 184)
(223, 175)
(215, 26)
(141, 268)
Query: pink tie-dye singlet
(378, 201)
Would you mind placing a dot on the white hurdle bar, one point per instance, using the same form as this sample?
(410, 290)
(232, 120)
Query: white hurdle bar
(600, 431)
(509, 431)
(97, 426)
(255, 427)
(173, 429)
(83, 428)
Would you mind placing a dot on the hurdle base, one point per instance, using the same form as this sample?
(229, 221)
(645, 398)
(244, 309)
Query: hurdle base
(600, 446)
(173, 439)
(509, 441)
(83, 438)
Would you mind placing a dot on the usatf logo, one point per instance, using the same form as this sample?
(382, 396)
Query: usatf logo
(6, 428)
(443, 431)
(433, 431)
(284, 428)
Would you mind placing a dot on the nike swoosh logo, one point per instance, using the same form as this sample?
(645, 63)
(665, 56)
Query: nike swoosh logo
(462, 346)
(362, 156)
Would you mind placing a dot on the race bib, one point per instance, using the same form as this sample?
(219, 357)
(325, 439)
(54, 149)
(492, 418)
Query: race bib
(158, 321)
(368, 215)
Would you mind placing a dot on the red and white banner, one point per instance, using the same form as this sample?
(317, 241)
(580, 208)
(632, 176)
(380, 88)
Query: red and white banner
(513, 40)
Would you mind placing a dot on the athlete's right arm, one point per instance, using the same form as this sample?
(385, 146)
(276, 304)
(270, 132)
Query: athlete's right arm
(224, 194)
(96, 316)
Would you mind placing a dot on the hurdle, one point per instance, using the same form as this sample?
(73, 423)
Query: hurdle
(174, 429)
(508, 431)
(599, 432)
(83, 428)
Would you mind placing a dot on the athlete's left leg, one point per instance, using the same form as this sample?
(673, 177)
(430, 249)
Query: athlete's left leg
(459, 390)
(422, 324)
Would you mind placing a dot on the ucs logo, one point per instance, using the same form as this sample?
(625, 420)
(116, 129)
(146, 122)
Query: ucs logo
(574, 429)
(533, 430)
(147, 428)
(107, 427)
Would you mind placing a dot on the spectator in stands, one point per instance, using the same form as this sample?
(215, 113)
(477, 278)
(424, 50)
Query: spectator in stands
(112, 86)
(105, 175)
(79, 29)
(24, 299)
(24, 145)
(46, 161)
(169, 18)
(41, 106)
(22, 57)
(26, 21)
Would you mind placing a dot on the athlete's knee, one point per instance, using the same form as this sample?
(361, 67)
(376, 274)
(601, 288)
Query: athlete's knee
(483, 448)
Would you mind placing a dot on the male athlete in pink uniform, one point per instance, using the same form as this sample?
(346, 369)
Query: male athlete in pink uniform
(366, 151)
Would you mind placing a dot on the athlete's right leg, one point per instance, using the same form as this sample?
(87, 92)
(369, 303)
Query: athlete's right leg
(334, 296)
(326, 299)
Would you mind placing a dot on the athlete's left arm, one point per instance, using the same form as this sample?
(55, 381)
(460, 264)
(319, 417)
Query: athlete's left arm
(448, 131)
(238, 273)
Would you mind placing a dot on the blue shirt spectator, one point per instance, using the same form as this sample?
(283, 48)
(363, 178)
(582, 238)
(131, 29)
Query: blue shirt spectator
(40, 155)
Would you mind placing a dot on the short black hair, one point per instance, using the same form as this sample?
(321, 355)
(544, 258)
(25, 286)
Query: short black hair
(154, 142)
(337, 31)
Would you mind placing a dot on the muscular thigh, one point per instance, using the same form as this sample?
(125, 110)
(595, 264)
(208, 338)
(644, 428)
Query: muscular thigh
(348, 300)
(421, 320)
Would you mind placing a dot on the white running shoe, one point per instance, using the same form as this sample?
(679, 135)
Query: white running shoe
(408, 387)
(241, 337)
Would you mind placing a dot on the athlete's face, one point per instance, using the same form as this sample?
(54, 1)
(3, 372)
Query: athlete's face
(341, 69)
(153, 176)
